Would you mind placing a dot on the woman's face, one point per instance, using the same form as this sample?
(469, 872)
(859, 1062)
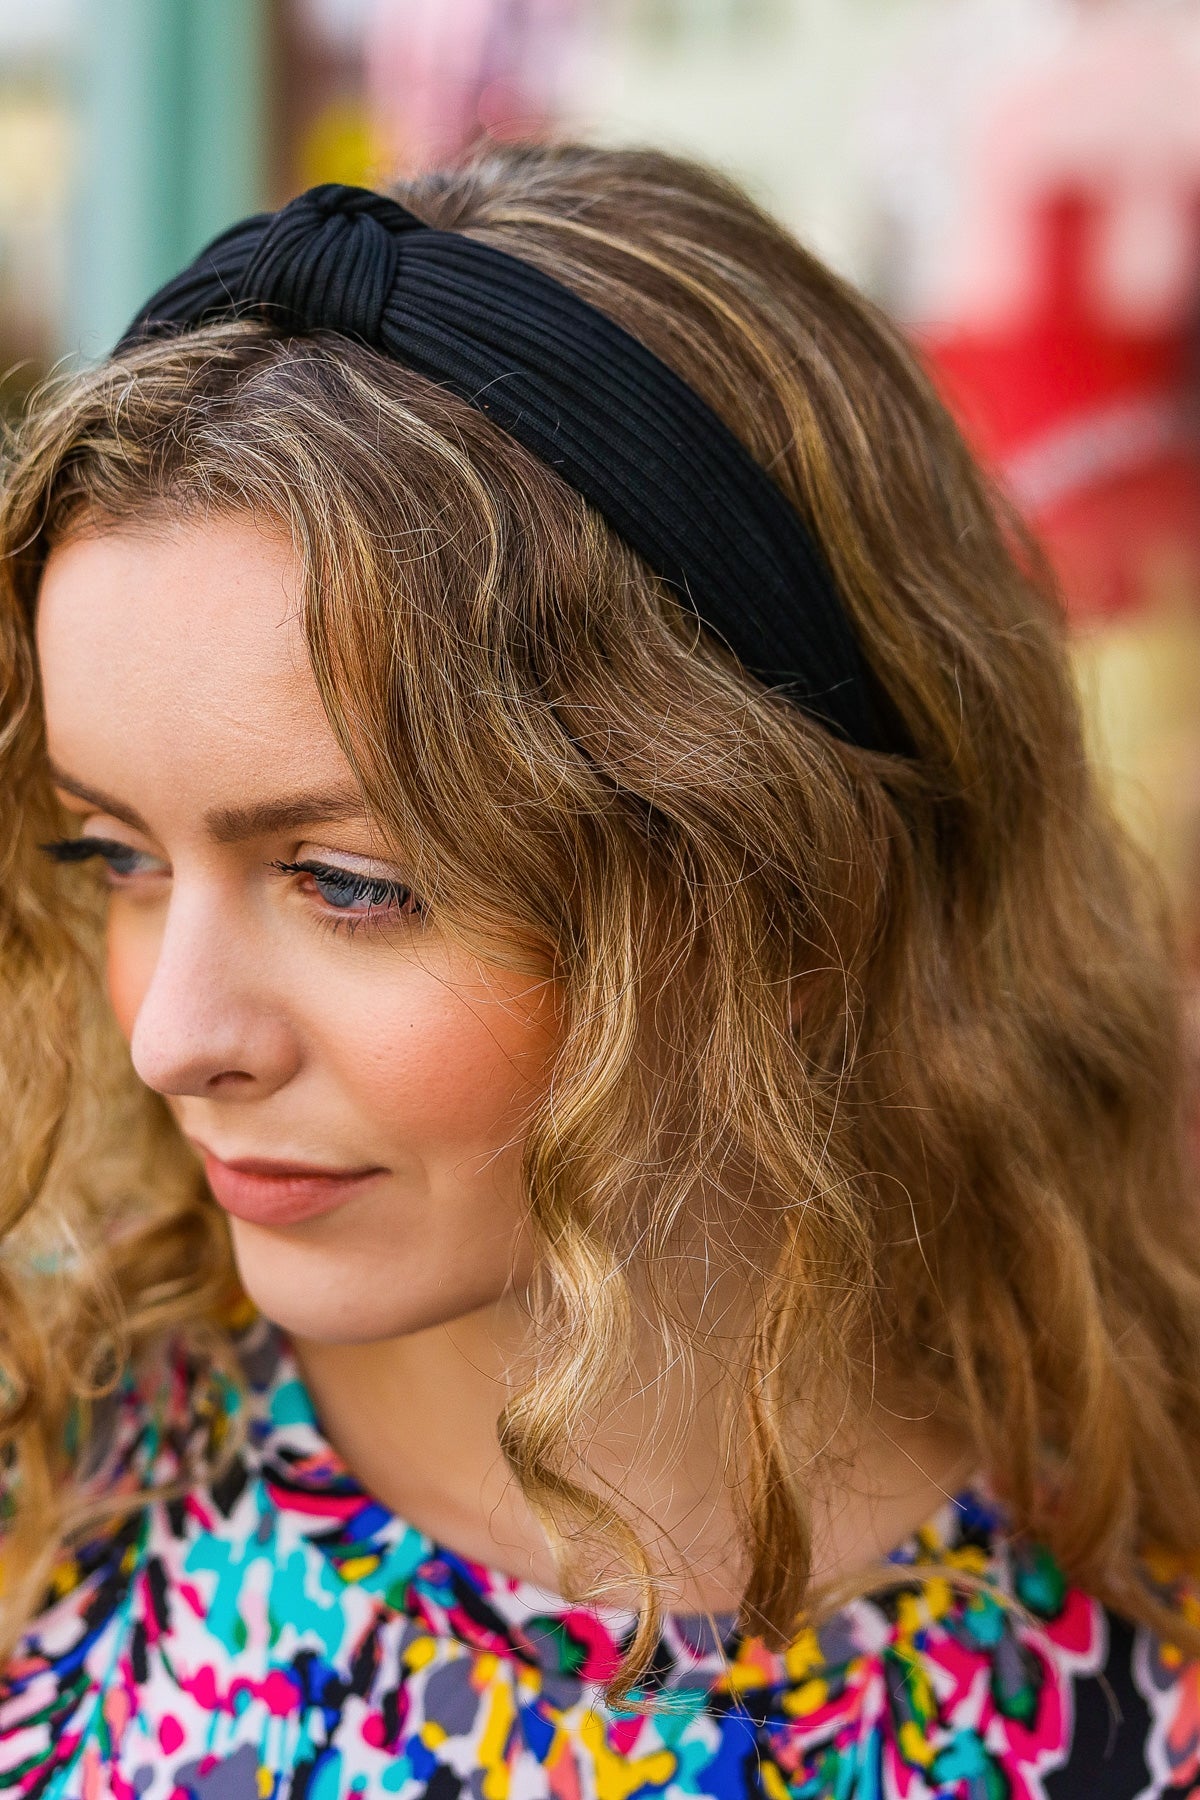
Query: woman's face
(294, 1017)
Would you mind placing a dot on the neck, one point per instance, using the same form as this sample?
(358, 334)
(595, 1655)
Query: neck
(415, 1419)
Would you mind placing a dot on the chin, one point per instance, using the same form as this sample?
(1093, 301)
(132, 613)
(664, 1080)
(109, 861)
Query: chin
(342, 1295)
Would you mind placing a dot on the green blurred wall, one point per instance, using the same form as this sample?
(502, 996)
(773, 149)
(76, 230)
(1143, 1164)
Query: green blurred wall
(172, 109)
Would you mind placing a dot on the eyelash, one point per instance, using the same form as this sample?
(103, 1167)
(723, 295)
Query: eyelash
(379, 893)
(81, 849)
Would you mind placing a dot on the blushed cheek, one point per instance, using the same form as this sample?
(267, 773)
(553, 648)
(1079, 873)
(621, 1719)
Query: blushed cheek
(129, 966)
(452, 1074)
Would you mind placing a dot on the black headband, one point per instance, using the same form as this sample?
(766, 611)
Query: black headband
(573, 387)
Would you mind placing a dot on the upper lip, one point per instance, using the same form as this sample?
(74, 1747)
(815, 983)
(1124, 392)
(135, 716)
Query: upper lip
(265, 1165)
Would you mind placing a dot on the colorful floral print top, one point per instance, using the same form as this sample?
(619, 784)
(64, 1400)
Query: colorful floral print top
(280, 1636)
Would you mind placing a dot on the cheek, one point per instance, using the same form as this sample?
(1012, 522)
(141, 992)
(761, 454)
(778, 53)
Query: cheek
(432, 1077)
(128, 968)
(457, 1068)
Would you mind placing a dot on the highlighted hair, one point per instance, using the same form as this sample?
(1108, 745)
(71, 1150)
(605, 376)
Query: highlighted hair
(953, 1175)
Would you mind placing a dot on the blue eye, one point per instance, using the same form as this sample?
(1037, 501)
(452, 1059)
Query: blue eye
(360, 896)
(121, 859)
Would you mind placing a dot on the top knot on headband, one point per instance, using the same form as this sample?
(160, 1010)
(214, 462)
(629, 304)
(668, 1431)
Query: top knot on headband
(574, 387)
(327, 261)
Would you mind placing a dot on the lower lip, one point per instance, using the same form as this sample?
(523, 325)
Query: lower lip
(281, 1199)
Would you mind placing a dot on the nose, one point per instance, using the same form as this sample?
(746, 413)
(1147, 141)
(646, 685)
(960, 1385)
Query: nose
(209, 1021)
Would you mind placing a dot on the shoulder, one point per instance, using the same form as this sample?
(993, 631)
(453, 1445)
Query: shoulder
(1166, 1676)
(89, 1635)
(983, 1672)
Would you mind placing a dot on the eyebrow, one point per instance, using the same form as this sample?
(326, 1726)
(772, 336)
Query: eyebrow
(233, 824)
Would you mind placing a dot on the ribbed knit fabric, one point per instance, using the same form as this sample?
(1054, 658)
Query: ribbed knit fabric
(576, 389)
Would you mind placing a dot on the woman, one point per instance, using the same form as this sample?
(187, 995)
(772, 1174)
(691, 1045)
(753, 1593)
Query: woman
(596, 1199)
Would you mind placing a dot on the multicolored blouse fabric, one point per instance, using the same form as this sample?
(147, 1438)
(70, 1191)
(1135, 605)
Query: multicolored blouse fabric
(280, 1636)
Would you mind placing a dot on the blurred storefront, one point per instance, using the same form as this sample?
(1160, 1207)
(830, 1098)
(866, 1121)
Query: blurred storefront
(37, 150)
(1017, 180)
(1038, 173)
(169, 117)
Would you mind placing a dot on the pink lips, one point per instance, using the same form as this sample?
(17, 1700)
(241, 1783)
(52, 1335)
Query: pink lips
(266, 1193)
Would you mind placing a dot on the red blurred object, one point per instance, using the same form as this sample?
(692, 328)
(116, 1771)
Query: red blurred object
(1090, 418)
(1038, 174)
(1044, 191)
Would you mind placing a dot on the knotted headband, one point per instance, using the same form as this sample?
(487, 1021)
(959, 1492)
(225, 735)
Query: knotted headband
(576, 389)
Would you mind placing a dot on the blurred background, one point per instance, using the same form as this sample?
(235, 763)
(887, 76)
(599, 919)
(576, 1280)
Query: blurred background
(1018, 181)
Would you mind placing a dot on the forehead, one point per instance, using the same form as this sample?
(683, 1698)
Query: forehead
(176, 654)
(165, 590)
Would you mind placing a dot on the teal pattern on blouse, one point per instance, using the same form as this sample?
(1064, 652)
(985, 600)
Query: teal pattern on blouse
(279, 1635)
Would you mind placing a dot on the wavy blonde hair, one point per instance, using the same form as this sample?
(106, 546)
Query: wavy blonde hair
(961, 1177)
